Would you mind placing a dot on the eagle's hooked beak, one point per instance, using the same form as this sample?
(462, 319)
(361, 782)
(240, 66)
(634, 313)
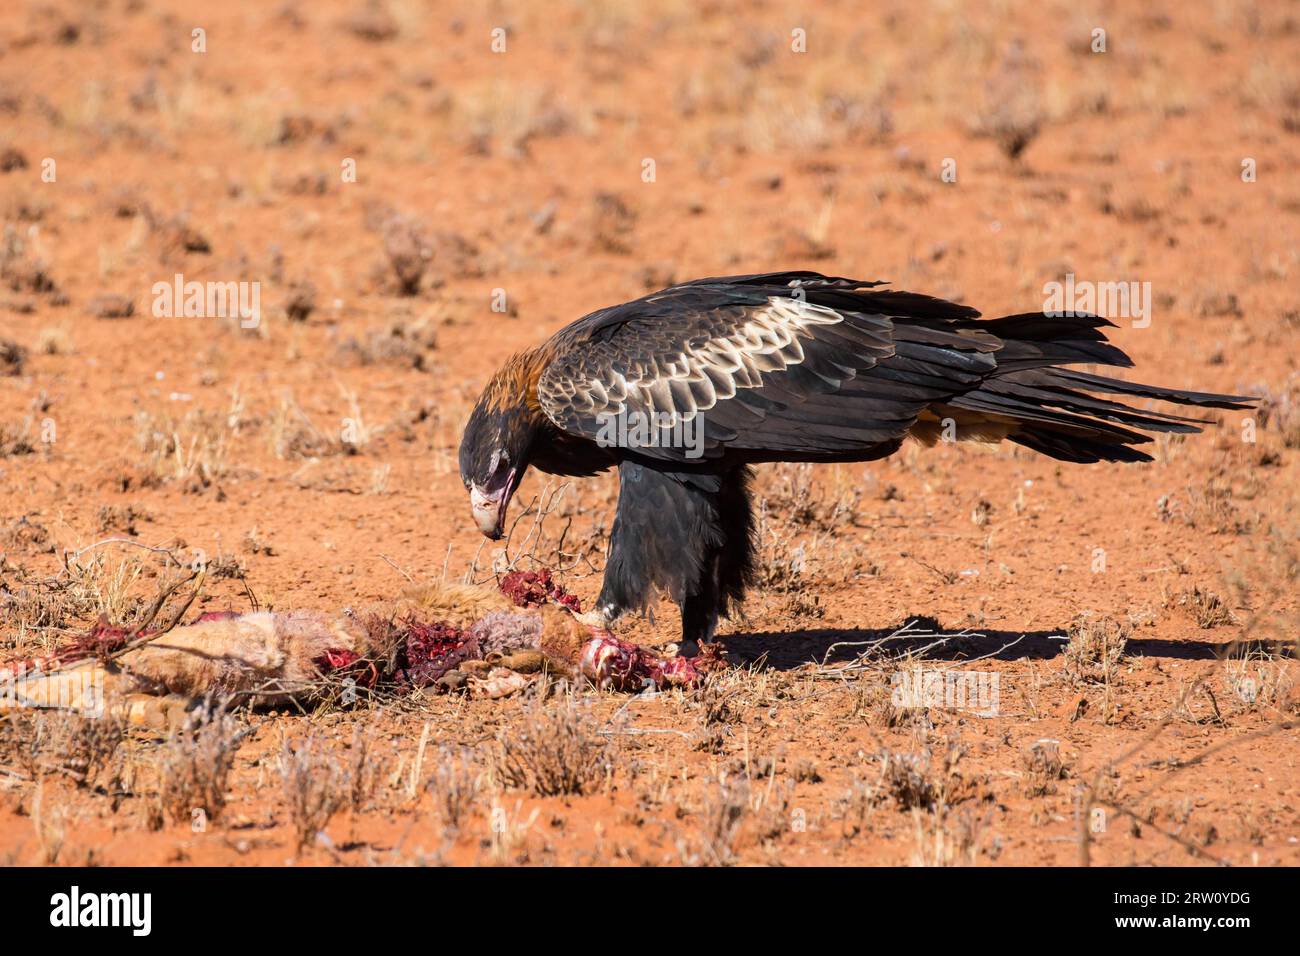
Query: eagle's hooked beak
(489, 507)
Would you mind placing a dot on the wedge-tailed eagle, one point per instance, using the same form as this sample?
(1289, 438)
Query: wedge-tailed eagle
(684, 389)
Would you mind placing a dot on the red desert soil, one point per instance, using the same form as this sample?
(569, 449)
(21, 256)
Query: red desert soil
(310, 462)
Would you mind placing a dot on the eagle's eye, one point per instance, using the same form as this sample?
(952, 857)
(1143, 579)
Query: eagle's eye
(498, 470)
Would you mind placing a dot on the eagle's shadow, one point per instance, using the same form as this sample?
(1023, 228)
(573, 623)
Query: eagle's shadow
(786, 650)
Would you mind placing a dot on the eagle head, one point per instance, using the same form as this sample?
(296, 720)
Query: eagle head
(494, 450)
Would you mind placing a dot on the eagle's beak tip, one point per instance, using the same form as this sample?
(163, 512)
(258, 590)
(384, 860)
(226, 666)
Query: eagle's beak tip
(489, 512)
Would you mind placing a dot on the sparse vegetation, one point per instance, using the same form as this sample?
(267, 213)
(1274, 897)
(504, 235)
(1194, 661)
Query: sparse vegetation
(923, 780)
(1206, 608)
(455, 785)
(557, 750)
(1043, 767)
(315, 788)
(1095, 648)
(54, 743)
(194, 768)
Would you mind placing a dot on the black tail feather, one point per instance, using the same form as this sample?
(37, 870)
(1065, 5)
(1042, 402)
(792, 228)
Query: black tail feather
(1051, 406)
(1112, 386)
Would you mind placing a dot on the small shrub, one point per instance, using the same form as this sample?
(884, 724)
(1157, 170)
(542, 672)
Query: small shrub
(1095, 648)
(194, 766)
(1043, 767)
(315, 788)
(557, 751)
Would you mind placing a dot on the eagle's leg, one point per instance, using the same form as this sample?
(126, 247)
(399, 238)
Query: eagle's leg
(690, 534)
(727, 567)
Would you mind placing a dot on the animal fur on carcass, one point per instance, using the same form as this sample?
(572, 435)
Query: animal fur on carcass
(488, 641)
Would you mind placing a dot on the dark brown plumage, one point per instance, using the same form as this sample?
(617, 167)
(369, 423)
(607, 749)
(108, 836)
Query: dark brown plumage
(685, 388)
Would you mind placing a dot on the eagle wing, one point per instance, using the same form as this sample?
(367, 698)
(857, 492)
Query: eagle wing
(799, 366)
(795, 364)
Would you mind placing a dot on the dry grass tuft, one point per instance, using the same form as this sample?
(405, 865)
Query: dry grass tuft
(50, 820)
(807, 503)
(401, 343)
(557, 750)
(920, 781)
(783, 568)
(13, 358)
(1012, 114)
(44, 742)
(1043, 767)
(194, 767)
(315, 788)
(365, 768)
(948, 838)
(1207, 609)
(191, 450)
(454, 785)
(875, 703)
(724, 813)
(716, 700)
(1095, 648)
(409, 252)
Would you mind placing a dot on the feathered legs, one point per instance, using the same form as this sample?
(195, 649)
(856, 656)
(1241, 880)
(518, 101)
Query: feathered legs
(690, 534)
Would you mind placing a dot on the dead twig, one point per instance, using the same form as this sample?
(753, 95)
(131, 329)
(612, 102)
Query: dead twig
(152, 613)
